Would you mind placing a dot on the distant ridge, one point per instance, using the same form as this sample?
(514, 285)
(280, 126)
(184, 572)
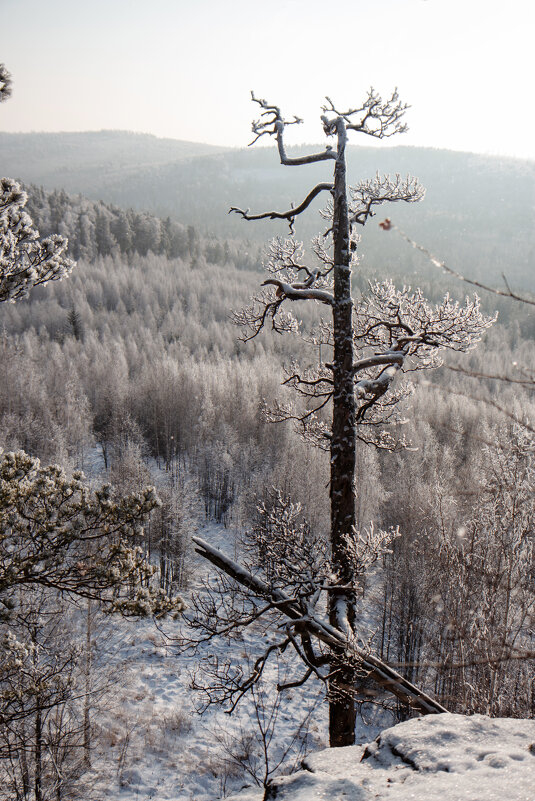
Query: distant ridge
(76, 160)
(477, 213)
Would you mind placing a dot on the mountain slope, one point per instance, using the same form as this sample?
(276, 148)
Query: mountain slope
(477, 214)
(78, 162)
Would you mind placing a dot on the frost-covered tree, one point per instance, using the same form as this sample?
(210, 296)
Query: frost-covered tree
(25, 260)
(56, 532)
(370, 344)
(5, 83)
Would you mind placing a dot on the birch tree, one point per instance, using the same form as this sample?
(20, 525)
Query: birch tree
(388, 332)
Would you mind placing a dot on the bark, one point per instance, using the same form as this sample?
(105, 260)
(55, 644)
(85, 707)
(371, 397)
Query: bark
(87, 693)
(38, 753)
(342, 712)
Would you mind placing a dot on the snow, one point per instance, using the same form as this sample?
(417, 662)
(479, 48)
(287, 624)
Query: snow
(153, 744)
(434, 758)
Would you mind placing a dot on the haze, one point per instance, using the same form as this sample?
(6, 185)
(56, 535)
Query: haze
(185, 70)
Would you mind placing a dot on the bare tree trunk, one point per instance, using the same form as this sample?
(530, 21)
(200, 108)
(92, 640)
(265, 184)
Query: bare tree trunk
(342, 714)
(38, 752)
(87, 688)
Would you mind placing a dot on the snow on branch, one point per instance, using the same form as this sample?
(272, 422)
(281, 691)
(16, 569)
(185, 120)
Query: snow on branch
(272, 123)
(24, 260)
(375, 117)
(403, 317)
(299, 292)
(301, 617)
(290, 279)
(382, 189)
(5, 83)
(57, 532)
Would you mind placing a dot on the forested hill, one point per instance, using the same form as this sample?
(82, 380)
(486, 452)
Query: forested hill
(95, 229)
(82, 160)
(477, 214)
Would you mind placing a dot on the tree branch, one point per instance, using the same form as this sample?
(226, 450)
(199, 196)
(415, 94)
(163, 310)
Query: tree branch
(379, 671)
(388, 225)
(274, 125)
(289, 215)
(299, 292)
(378, 118)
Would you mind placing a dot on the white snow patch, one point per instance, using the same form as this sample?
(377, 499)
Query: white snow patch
(437, 758)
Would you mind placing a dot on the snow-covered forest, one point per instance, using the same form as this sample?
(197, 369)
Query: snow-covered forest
(123, 649)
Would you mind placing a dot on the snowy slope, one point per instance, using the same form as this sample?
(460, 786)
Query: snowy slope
(150, 741)
(435, 758)
(153, 745)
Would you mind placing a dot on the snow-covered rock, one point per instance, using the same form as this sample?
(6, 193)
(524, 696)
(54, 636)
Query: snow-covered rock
(435, 758)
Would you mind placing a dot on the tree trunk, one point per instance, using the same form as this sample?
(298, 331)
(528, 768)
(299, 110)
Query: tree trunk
(38, 752)
(342, 715)
(87, 688)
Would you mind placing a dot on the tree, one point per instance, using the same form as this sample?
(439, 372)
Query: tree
(55, 532)
(24, 260)
(389, 332)
(5, 83)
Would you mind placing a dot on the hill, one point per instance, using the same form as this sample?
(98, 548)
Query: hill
(78, 162)
(477, 214)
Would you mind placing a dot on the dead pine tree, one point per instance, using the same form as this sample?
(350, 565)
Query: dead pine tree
(388, 332)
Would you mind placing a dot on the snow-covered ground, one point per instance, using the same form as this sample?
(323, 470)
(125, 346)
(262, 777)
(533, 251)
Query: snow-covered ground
(436, 758)
(152, 744)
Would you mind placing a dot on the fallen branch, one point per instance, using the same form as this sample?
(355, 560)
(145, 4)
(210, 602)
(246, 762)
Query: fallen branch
(385, 676)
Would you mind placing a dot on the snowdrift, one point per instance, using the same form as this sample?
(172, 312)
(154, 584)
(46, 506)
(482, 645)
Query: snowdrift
(434, 758)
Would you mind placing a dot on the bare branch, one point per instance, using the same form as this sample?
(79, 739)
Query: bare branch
(377, 670)
(527, 381)
(299, 683)
(388, 225)
(274, 125)
(289, 215)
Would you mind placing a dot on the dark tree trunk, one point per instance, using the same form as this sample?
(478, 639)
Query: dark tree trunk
(342, 714)
(87, 682)
(38, 752)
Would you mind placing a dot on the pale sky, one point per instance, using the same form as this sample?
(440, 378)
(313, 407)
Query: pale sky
(185, 69)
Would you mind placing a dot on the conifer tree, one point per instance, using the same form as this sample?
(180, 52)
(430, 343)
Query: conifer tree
(370, 344)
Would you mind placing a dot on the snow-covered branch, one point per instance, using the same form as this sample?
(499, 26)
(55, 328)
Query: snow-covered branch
(24, 260)
(299, 291)
(385, 676)
(5, 83)
(382, 189)
(273, 124)
(375, 117)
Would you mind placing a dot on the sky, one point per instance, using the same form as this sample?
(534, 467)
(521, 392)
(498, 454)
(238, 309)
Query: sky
(185, 69)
